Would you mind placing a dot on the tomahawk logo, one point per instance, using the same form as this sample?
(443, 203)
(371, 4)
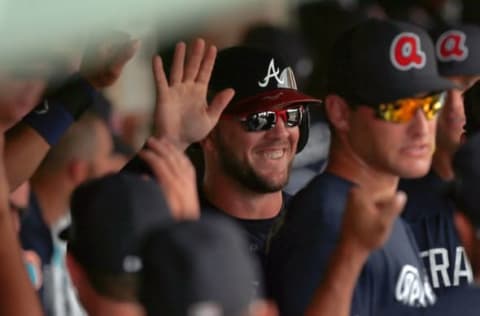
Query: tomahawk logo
(451, 46)
(272, 72)
(406, 52)
(411, 290)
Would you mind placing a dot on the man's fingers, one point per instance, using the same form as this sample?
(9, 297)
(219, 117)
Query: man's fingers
(393, 206)
(161, 172)
(174, 159)
(207, 65)
(176, 72)
(219, 103)
(159, 74)
(127, 51)
(194, 60)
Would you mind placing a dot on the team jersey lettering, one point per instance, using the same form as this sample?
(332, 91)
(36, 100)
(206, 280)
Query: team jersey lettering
(439, 263)
(406, 52)
(411, 290)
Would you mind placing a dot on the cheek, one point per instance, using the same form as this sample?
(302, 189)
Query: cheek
(294, 138)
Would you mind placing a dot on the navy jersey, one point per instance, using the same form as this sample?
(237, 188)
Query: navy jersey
(56, 291)
(429, 212)
(391, 282)
(257, 231)
(35, 236)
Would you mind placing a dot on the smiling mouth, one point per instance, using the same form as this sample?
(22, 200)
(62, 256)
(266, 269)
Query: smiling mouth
(274, 154)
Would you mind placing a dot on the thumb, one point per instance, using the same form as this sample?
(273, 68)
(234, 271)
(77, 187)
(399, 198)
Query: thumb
(219, 103)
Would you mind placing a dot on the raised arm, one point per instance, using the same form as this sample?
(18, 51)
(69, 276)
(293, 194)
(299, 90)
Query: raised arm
(367, 224)
(18, 296)
(182, 111)
(28, 142)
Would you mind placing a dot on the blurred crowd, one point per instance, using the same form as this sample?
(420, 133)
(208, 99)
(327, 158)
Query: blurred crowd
(327, 166)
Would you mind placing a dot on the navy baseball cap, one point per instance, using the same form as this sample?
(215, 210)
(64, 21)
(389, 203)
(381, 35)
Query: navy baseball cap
(261, 80)
(110, 216)
(458, 50)
(381, 61)
(198, 268)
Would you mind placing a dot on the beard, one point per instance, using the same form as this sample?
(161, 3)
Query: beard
(244, 173)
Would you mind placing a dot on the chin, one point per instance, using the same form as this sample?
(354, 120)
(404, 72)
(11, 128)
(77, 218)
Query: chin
(414, 171)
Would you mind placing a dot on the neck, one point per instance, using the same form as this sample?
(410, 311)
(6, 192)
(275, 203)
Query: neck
(238, 201)
(107, 307)
(442, 164)
(347, 164)
(52, 197)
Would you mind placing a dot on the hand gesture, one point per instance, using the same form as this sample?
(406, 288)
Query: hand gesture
(103, 62)
(176, 176)
(368, 221)
(182, 112)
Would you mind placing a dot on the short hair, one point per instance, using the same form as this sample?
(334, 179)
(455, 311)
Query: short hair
(79, 142)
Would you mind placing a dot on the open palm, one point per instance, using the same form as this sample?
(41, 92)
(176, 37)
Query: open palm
(182, 112)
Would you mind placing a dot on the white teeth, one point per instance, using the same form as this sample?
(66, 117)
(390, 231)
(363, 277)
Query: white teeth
(277, 154)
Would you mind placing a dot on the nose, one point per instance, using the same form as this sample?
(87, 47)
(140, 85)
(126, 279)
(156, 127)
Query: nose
(419, 125)
(280, 130)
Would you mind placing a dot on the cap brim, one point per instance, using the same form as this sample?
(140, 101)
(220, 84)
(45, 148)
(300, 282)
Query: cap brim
(412, 88)
(278, 98)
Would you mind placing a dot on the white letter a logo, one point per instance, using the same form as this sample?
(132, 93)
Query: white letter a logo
(271, 73)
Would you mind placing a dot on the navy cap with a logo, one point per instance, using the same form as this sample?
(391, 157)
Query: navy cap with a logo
(110, 216)
(261, 80)
(381, 61)
(458, 50)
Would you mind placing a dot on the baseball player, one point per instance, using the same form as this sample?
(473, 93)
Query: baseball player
(384, 94)
(430, 211)
(260, 143)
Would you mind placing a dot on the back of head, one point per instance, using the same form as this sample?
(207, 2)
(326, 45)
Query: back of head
(381, 61)
(78, 143)
(198, 268)
(110, 216)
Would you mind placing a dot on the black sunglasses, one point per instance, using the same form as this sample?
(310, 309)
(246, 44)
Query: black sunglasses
(266, 120)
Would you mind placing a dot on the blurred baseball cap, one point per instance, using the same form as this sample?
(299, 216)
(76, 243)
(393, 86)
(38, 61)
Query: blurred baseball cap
(380, 61)
(458, 50)
(467, 179)
(198, 268)
(110, 216)
(261, 80)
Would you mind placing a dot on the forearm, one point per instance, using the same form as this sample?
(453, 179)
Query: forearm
(17, 296)
(28, 142)
(24, 151)
(334, 295)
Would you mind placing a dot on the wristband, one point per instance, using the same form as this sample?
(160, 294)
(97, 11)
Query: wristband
(61, 108)
(51, 121)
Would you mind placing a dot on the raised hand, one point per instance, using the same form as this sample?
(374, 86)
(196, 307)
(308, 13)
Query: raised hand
(368, 221)
(182, 112)
(176, 176)
(103, 61)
